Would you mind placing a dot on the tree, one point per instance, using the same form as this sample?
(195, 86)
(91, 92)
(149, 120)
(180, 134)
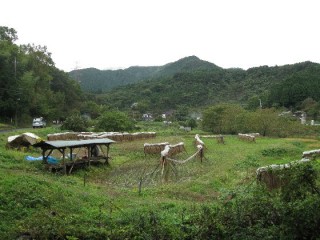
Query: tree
(253, 103)
(30, 84)
(224, 118)
(311, 107)
(8, 34)
(264, 121)
(213, 119)
(191, 122)
(75, 123)
(114, 121)
(9, 74)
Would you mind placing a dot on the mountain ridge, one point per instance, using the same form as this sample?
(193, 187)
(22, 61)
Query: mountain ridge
(95, 80)
(274, 86)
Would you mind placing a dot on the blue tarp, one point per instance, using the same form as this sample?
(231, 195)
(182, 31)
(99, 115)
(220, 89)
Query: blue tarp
(50, 159)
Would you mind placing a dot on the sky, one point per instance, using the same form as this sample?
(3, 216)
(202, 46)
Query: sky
(114, 34)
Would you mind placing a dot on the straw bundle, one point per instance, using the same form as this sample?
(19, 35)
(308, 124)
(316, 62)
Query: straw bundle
(198, 140)
(311, 153)
(154, 148)
(247, 137)
(177, 148)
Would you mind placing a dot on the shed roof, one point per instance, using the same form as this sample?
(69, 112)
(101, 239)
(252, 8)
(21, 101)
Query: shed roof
(73, 143)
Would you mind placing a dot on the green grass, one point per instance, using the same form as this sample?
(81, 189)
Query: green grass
(5, 126)
(35, 201)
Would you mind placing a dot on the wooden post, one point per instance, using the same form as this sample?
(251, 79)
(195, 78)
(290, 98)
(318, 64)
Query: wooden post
(108, 149)
(89, 155)
(44, 159)
(162, 162)
(71, 154)
(201, 153)
(140, 185)
(64, 162)
(73, 161)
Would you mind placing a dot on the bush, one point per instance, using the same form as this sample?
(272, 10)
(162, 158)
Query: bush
(114, 121)
(191, 123)
(75, 123)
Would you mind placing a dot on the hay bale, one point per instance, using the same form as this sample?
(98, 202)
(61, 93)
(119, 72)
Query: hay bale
(198, 140)
(311, 153)
(23, 140)
(177, 148)
(270, 175)
(63, 136)
(255, 134)
(247, 137)
(154, 148)
(220, 139)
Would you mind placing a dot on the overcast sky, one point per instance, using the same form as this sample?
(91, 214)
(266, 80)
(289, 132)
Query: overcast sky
(112, 34)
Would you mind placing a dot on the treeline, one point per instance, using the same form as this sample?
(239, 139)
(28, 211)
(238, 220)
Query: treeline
(234, 119)
(294, 87)
(98, 81)
(31, 85)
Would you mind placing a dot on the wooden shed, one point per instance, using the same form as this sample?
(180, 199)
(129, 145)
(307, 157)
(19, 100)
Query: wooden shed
(67, 148)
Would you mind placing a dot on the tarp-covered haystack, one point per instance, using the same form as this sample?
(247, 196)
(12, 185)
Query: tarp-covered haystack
(23, 140)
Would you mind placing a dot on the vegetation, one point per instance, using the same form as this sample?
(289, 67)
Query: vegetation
(193, 83)
(98, 81)
(75, 123)
(133, 197)
(114, 121)
(218, 198)
(30, 84)
(233, 119)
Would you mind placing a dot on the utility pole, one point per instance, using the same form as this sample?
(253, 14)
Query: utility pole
(15, 69)
(17, 99)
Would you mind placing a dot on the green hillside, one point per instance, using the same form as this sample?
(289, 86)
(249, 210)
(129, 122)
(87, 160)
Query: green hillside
(203, 87)
(192, 83)
(94, 80)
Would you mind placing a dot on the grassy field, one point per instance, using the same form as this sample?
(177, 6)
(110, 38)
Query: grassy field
(39, 204)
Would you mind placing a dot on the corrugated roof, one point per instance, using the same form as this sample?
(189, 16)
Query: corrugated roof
(74, 143)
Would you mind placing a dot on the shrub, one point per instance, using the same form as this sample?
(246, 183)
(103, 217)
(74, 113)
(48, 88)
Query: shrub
(75, 123)
(114, 121)
(191, 123)
(274, 152)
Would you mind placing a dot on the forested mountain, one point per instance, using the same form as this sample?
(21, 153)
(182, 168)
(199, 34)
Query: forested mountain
(94, 80)
(286, 86)
(30, 84)
(192, 82)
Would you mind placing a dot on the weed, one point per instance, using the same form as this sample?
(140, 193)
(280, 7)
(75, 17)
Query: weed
(274, 152)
